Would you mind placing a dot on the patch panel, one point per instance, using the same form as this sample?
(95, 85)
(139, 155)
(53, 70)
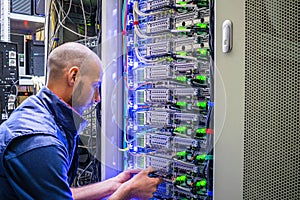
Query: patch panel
(157, 95)
(169, 93)
(157, 4)
(160, 25)
(185, 167)
(158, 49)
(154, 140)
(160, 164)
(183, 44)
(188, 44)
(185, 66)
(158, 72)
(182, 118)
(154, 118)
(188, 142)
(169, 84)
(185, 92)
(185, 20)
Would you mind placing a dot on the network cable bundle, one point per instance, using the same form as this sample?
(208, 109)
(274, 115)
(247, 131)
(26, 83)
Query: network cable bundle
(168, 97)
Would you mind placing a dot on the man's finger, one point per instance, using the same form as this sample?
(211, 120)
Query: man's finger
(133, 171)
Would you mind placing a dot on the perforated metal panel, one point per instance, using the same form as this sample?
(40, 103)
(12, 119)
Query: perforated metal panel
(272, 100)
(21, 6)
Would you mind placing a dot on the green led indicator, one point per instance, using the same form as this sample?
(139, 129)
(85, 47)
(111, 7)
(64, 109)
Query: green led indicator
(181, 178)
(181, 104)
(201, 157)
(201, 78)
(201, 25)
(169, 59)
(201, 130)
(202, 104)
(181, 129)
(181, 78)
(181, 53)
(202, 52)
(201, 183)
(181, 28)
(182, 3)
(181, 153)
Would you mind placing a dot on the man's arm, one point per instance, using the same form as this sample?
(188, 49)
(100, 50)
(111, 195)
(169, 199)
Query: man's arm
(95, 191)
(42, 173)
(104, 188)
(141, 186)
(121, 187)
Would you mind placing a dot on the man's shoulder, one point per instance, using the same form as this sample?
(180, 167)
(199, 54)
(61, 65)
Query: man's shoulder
(33, 116)
(28, 143)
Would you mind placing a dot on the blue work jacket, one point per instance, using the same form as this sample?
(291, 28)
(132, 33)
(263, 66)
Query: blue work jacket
(42, 120)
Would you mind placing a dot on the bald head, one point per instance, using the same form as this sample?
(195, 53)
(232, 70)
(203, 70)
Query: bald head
(65, 56)
(73, 69)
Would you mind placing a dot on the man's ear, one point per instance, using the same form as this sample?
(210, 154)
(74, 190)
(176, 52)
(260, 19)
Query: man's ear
(73, 75)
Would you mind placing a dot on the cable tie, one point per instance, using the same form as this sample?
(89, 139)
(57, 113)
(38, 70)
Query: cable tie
(209, 157)
(209, 131)
(209, 193)
(135, 23)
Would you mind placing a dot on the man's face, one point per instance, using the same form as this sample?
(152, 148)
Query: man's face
(86, 89)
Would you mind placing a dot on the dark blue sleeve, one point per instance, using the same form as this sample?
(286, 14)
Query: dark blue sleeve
(40, 173)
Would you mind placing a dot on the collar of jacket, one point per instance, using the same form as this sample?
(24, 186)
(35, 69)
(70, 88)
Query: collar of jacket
(64, 115)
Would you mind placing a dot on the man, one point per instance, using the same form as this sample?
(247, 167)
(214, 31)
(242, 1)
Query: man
(38, 143)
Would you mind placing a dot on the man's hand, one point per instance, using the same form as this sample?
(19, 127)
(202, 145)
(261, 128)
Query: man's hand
(141, 186)
(125, 176)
